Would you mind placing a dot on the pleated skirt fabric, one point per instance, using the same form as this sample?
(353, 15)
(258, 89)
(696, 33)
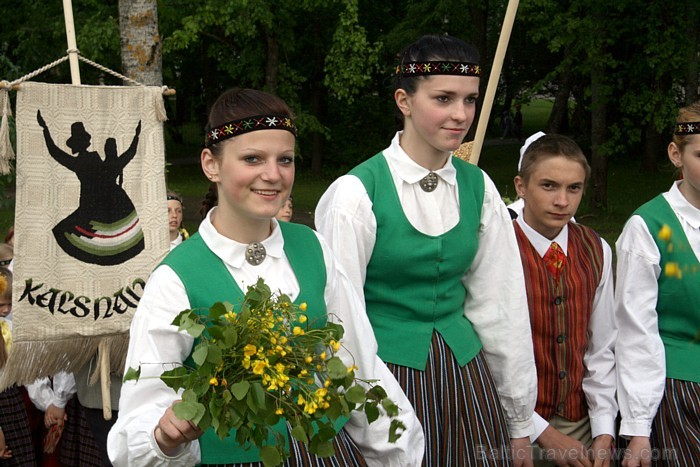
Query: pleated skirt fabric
(459, 409)
(347, 454)
(675, 432)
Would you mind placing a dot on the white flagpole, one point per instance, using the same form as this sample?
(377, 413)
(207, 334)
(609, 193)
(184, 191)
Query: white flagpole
(72, 45)
(493, 80)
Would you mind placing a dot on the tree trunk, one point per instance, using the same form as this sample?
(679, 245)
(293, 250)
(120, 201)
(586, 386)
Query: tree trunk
(317, 138)
(652, 142)
(599, 158)
(559, 117)
(141, 45)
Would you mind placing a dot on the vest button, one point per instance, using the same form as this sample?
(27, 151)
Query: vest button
(560, 338)
(562, 374)
(558, 300)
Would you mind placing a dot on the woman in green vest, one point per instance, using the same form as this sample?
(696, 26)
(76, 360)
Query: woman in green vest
(249, 156)
(657, 294)
(428, 243)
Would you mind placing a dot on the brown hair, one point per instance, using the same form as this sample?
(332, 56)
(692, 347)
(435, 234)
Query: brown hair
(549, 146)
(239, 103)
(690, 113)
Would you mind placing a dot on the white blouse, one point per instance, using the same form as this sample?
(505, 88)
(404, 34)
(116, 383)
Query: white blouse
(155, 341)
(641, 364)
(496, 303)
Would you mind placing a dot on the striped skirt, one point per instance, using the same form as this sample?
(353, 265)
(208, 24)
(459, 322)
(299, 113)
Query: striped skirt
(675, 433)
(347, 454)
(14, 421)
(459, 409)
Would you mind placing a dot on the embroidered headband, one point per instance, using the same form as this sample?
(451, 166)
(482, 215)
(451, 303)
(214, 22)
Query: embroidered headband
(438, 68)
(248, 124)
(687, 128)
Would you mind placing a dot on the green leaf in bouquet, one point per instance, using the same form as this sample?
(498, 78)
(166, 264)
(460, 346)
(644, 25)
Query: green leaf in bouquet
(176, 321)
(256, 397)
(215, 407)
(336, 368)
(200, 353)
(189, 322)
(390, 407)
(226, 396)
(355, 394)
(230, 336)
(371, 411)
(240, 389)
(334, 411)
(215, 332)
(326, 431)
(337, 330)
(205, 421)
(132, 374)
(188, 410)
(395, 430)
(376, 393)
(299, 434)
(270, 456)
(217, 310)
(321, 447)
(175, 378)
(214, 355)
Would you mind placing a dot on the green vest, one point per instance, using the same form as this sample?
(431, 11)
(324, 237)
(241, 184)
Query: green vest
(678, 303)
(207, 281)
(414, 281)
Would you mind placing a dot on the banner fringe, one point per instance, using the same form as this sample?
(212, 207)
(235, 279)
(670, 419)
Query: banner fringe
(30, 360)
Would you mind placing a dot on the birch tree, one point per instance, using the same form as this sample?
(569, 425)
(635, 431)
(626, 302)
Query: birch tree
(141, 45)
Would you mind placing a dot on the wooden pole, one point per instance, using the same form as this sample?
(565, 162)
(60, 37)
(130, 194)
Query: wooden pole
(72, 45)
(493, 80)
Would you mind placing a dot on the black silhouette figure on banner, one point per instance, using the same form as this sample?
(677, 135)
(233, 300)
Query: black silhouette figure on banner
(105, 228)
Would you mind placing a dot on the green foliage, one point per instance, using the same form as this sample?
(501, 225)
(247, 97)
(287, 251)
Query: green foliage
(264, 362)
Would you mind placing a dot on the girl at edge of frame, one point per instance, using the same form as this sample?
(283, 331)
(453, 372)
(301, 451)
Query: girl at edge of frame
(573, 337)
(436, 261)
(253, 173)
(657, 293)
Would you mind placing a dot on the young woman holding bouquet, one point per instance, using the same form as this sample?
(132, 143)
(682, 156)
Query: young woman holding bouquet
(249, 155)
(429, 245)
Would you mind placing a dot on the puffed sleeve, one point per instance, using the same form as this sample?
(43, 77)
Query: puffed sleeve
(360, 348)
(496, 305)
(156, 346)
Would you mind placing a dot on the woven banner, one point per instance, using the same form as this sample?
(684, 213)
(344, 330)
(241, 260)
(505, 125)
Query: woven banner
(90, 222)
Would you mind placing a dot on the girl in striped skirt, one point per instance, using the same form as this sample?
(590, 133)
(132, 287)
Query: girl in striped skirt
(656, 298)
(249, 157)
(429, 245)
(14, 420)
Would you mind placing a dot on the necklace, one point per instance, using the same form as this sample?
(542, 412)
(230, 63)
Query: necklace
(255, 253)
(429, 182)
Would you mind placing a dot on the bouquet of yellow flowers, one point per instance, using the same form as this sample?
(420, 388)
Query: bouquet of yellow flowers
(254, 365)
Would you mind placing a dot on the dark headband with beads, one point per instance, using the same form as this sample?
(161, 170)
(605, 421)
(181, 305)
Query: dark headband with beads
(248, 124)
(409, 69)
(687, 128)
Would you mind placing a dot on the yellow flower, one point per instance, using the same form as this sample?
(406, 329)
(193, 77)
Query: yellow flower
(672, 270)
(323, 355)
(335, 345)
(302, 319)
(279, 411)
(665, 233)
(214, 382)
(259, 367)
(352, 368)
(249, 350)
(298, 331)
(230, 316)
(327, 383)
(309, 359)
(302, 307)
